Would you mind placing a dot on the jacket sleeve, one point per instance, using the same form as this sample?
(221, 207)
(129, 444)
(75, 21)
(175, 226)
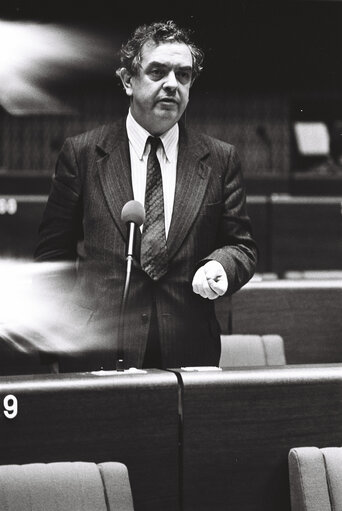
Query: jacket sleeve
(237, 250)
(61, 226)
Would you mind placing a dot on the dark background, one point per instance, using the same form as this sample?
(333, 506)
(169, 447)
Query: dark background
(267, 65)
(254, 46)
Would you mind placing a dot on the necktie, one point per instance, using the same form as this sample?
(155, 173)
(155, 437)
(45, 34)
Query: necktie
(153, 243)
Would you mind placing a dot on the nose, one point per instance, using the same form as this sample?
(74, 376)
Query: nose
(171, 81)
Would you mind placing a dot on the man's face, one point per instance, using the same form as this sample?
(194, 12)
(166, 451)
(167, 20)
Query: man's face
(160, 90)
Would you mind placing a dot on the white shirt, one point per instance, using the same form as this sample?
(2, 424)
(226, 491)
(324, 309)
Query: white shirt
(167, 156)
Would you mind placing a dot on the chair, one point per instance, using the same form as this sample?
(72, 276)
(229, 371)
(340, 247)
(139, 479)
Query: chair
(65, 485)
(315, 478)
(251, 350)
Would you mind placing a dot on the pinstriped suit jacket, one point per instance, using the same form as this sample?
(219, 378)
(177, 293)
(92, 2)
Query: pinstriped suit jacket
(92, 182)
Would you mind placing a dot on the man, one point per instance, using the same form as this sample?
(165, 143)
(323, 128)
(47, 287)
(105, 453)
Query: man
(196, 241)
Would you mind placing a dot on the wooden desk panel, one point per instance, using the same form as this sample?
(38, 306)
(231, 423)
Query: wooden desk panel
(306, 233)
(24, 182)
(20, 217)
(127, 418)
(258, 208)
(307, 314)
(239, 426)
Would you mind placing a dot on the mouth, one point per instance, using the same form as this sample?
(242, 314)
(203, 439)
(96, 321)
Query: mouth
(168, 100)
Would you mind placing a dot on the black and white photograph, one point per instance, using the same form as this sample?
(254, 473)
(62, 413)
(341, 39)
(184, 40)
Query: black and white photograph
(171, 256)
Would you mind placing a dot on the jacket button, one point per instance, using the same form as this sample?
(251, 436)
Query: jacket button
(144, 318)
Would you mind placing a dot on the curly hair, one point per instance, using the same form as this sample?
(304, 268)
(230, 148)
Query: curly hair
(158, 32)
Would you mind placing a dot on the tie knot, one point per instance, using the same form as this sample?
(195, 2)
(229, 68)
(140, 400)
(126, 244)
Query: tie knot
(154, 142)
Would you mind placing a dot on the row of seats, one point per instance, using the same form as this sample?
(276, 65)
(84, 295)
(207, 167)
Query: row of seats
(315, 476)
(236, 351)
(191, 439)
(293, 233)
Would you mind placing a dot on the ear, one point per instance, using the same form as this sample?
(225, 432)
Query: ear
(126, 78)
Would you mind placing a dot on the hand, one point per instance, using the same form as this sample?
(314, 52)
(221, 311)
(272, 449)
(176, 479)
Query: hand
(210, 280)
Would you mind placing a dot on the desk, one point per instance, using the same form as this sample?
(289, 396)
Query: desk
(239, 425)
(306, 233)
(131, 418)
(306, 313)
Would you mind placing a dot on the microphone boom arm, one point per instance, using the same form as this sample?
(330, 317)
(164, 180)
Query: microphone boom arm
(133, 214)
(129, 260)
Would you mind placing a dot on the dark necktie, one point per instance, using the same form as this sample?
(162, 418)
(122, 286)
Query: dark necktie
(153, 243)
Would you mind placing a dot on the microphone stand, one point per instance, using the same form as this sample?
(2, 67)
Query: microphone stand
(121, 327)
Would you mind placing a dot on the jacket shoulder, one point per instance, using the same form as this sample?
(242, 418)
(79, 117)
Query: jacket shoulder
(212, 143)
(95, 135)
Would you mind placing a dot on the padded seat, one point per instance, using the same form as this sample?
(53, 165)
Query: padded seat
(315, 478)
(72, 486)
(251, 350)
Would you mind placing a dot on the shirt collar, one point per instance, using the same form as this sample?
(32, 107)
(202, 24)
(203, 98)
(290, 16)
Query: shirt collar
(137, 136)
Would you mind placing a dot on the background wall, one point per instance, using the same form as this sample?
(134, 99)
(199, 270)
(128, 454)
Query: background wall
(266, 65)
(257, 125)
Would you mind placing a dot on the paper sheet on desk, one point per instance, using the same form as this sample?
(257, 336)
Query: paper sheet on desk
(202, 368)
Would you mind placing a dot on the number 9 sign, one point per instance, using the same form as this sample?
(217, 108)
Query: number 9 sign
(10, 406)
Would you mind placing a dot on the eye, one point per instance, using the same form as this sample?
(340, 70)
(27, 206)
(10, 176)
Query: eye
(156, 73)
(183, 76)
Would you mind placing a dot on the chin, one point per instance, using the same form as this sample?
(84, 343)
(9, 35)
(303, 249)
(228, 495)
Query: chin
(166, 121)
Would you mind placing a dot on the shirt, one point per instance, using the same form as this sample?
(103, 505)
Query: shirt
(167, 154)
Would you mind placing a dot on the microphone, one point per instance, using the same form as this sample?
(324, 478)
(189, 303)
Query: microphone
(133, 214)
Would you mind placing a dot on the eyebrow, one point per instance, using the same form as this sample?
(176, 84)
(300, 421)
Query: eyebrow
(161, 64)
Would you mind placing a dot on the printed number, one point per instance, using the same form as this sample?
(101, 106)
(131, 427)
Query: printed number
(8, 206)
(11, 406)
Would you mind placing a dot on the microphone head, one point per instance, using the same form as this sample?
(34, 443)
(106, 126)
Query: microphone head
(133, 211)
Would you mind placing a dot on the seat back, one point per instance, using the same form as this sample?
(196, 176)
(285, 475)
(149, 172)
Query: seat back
(252, 350)
(65, 485)
(117, 486)
(315, 478)
(308, 483)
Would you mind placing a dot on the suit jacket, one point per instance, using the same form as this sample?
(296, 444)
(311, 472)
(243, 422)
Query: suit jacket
(82, 221)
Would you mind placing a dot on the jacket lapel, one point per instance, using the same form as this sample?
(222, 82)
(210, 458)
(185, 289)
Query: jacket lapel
(114, 169)
(193, 174)
(191, 184)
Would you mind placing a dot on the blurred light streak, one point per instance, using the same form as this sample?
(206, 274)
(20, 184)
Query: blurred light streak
(30, 305)
(34, 56)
